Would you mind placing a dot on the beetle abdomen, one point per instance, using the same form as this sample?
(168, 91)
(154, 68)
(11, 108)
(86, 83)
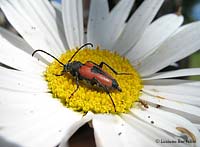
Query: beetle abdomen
(94, 72)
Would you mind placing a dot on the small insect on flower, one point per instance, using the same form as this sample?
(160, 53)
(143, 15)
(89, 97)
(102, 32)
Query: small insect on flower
(90, 72)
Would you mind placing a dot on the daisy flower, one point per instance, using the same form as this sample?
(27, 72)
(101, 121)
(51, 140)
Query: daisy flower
(153, 109)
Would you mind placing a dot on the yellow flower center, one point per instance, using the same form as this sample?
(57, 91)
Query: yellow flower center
(90, 97)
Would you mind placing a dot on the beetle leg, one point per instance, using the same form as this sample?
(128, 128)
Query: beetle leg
(59, 74)
(143, 103)
(105, 89)
(115, 72)
(93, 63)
(62, 73)
(77, 83)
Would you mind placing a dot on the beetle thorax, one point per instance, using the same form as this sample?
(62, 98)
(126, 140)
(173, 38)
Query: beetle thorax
(72, 67)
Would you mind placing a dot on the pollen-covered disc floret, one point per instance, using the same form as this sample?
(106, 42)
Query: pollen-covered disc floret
(92, 98)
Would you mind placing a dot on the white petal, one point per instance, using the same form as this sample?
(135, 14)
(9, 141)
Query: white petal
(168, 121)
(59, 21)
(111, 27)
(98, 12)
(51, 24)
(191, 118)
(183, 43)
(150, 131)
(137, 25)
(179, 91)
(110, 130)
(181, 98)
(115, 23)
(186, 108)
(169, 82)
(174, 64)
(154, 35)
(21, 81)
(32, 22)
(39, 120)
(198, 126)
(16, 57)
(175, 73)
(16, 41)
(73, 22)
(183, 87)
(43, 13)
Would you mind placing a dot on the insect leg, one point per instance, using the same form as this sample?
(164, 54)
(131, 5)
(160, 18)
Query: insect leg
(62, 73)
(59, 74)
(115, 72)
(105, 89)
(77, 83)
(93, 63)
(143, 103)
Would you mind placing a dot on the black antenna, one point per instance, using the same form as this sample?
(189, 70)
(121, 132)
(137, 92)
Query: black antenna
(79, 50)
(47, 54)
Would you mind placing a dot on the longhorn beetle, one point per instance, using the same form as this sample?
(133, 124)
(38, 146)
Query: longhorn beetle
(89, 71)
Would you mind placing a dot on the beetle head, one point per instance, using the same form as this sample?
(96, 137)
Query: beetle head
(66, 67)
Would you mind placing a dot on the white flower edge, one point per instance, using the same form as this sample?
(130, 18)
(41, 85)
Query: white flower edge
(46, 129)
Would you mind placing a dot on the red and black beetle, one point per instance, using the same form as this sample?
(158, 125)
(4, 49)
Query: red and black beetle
(89, 71)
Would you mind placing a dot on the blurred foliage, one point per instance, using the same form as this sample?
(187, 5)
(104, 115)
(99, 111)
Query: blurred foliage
(187, 9)
(194, 61)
